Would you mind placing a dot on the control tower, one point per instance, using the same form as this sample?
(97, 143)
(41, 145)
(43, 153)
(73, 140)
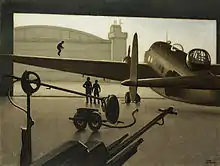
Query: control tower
(118, 42)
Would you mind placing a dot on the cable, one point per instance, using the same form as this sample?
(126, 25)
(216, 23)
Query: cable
(125, 126)
(12, 102)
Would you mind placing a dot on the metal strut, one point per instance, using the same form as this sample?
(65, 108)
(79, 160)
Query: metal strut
(26, 149)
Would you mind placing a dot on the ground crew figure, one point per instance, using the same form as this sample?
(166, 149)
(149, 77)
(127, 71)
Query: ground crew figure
(96, 90)
(127, 59)
(88, 86)
(60, 47)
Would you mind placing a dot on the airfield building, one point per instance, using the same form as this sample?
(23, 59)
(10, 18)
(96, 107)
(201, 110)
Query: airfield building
(41, 40)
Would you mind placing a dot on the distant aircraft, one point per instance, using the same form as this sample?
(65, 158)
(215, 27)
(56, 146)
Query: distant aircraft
(167, 69)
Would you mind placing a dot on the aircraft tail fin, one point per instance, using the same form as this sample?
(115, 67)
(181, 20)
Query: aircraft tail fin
(134, 67)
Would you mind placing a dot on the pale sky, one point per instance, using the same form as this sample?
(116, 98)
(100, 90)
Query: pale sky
(189, 33)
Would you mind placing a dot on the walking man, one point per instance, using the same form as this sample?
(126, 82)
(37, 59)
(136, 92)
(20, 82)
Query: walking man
(60, 47)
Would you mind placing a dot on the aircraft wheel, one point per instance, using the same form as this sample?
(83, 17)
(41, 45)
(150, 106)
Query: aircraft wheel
(127, 98)
(138, 98)
(95, 121)
(79, 123)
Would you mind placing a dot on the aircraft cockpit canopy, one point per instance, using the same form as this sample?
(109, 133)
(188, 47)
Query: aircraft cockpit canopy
(177, 46)
(198, 59)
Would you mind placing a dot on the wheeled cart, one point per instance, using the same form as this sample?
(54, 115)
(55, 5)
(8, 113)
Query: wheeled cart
(85, 116)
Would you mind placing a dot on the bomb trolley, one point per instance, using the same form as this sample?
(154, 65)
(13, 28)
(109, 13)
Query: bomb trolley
(92, 117)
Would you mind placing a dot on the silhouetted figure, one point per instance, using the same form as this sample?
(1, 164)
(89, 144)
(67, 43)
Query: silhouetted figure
(127, 59)
(96, 90)
(88, 86)
(60, 47)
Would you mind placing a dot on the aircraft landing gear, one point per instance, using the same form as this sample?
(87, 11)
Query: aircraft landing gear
(128, 99)
(138, 98)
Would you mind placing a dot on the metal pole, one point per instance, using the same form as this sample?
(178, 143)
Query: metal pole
(29, 125)
(26, 150)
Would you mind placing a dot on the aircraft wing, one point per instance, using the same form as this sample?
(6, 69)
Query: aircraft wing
(105, 69)
(185, 82)
(215, 69)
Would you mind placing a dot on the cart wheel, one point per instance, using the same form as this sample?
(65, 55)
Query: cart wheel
(80, 124)
(95, 122)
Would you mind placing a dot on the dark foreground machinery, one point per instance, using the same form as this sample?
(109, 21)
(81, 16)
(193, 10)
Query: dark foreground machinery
(95, 153)
(76, 153)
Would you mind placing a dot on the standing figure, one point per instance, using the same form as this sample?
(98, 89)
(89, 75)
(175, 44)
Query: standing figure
(88, 86)
(60, 47)
(96, 90)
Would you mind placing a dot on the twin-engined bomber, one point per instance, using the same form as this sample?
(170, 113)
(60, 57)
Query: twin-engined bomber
(167, 69)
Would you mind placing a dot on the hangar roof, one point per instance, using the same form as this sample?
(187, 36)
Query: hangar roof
(54, 33)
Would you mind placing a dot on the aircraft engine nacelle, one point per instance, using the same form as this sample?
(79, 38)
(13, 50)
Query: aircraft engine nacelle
(198, 59)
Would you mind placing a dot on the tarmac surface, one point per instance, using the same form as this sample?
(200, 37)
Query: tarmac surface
(191, 138)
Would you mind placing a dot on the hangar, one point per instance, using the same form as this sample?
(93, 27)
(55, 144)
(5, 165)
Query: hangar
(163, 9)
(41, 40)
